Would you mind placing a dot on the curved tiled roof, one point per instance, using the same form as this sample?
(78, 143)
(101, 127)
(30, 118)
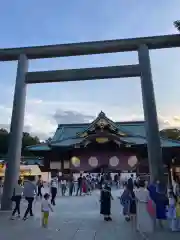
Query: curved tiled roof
(67, 135)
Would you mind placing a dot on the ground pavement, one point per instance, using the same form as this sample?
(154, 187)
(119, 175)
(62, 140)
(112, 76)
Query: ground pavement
(74, 218)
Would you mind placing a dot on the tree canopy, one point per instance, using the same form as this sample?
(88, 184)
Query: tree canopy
(27, 140)
(177, 24)
(171, 133)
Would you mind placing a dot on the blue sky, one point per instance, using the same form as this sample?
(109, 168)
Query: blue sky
(26, 23)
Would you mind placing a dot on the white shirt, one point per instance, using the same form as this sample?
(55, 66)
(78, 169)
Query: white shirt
(45, 205)
(142, 194)
(54, 183)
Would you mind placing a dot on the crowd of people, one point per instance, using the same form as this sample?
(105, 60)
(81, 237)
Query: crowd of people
(163, 203)
(31, 191)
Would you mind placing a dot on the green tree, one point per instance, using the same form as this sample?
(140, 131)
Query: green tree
(171, 133)
(177, 24)
(27, 140)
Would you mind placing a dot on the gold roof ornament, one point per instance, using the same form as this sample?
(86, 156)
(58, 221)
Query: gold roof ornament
(102, 123)
(102, 140)
(122, 134)
(84, 134)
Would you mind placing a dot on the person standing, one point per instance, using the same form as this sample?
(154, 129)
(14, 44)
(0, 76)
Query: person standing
(84, 186)
(130, 183)
(172, 210)
(30, 190)
(71, 185)
(102, 180)
(17, 195)
(79, 187)
(132, 208)
(54, 187)
(157, 193)
(105, 203)
(178, 213)
(39, 188)
(63, 187)
(125, 202)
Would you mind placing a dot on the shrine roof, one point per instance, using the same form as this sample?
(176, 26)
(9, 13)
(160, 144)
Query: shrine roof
(70, 134)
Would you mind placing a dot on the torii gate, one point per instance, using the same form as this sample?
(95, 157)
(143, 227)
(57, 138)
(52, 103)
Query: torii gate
(142, 70)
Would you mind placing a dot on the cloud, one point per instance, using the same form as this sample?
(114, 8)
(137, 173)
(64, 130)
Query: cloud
(42, 117)
(71, 117)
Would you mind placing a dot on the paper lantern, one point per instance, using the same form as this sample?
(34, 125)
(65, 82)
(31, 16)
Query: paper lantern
(93, 162)
(75, 161)
(132, 161)
(114, 161)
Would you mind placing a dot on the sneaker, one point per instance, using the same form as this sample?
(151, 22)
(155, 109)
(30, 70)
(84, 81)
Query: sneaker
(12, 218)
(109, 219)
(25, 218)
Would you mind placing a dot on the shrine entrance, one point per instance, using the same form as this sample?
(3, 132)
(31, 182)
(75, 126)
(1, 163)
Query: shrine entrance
(142, 70)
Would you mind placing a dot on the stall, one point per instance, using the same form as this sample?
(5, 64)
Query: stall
(26, 171)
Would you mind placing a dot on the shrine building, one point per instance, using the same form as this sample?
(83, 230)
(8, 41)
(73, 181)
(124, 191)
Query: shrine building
(102, 145)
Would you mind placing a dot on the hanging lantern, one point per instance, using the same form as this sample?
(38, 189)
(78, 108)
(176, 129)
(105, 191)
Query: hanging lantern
(132, 161)
(75, 161)
(93, 161)
(114, 161)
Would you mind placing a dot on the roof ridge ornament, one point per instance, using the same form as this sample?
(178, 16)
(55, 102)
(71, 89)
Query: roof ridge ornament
(101, 114)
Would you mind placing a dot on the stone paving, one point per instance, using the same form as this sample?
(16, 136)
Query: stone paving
(73, 218)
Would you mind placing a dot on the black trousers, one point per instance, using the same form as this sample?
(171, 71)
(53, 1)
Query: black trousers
(71, 188)
(53, 195)
(63, 189)
(29, 207)
(17, 200)
(39, 192)
(79, 189)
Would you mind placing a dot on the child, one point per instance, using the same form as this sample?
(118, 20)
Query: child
(45, 207)
(172, 210)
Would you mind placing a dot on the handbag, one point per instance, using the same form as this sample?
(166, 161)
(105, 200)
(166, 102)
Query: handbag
(151, 208)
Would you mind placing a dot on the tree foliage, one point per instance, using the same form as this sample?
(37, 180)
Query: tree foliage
(177, 24)
(27, 140)
(171, 133)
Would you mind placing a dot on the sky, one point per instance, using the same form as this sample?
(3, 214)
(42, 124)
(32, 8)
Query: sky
(43, 22)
